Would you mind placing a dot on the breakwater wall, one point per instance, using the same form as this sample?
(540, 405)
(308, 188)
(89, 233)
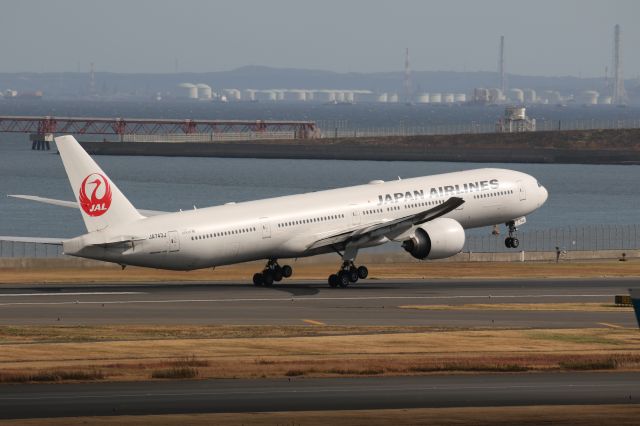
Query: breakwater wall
(610, 146)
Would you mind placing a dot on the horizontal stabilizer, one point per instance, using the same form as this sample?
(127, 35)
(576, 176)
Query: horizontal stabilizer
(74, 204)
(44, 200)
(36, 240)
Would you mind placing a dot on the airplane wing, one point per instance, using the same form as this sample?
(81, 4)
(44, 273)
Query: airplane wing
(73, 204)
(37, 240)
(396, 226)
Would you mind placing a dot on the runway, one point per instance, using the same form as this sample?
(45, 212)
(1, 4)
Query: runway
(212, 396)
(295, 303)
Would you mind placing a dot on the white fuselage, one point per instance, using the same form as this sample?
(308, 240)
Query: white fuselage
(284, 227)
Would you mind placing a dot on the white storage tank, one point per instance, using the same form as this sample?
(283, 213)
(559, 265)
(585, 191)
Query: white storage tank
(604, 100)
(435, 98)
(393, 98)
(516, 95)
(231, 94)
(496, 95)
(448, 98)
(266, 95)
(187, 91)
(529, 96)
(481, 94)
(460, 98)
(349, 97)
(552, 96)
(589, 97)
(204, 91)
(422, 98)
(248, 95)
(325, 96)
(383, 97)
(295, 95)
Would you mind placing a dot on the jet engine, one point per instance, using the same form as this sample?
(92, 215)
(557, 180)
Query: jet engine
(436, 239)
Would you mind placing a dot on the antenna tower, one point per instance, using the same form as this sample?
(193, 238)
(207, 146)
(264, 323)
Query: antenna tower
(408, 93)
(92, 79)
(619, 95)
(503, 80)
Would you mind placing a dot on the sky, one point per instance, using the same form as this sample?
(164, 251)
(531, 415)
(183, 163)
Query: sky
(542, 37)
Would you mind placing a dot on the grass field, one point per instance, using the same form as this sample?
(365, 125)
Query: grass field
(142, 353)
(594, 415)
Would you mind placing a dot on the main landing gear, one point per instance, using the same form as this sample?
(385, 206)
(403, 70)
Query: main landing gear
(272, 273)
(512, 241)
(349, 272)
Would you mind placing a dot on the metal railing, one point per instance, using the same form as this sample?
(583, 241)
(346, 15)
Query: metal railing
(574, 238)
(343, 129)
(15, 249)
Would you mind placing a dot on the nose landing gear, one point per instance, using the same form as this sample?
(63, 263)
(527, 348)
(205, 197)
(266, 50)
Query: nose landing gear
(512, 240)
(272, 272)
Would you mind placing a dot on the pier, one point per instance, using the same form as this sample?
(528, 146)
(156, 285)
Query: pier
(42, 129)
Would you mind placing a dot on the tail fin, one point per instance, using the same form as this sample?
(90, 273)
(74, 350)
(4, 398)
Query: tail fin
(101, 202)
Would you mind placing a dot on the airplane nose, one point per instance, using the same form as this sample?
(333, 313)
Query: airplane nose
(544, 194)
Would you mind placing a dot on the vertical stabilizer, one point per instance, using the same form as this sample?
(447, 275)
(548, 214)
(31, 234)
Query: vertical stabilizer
(101, 202)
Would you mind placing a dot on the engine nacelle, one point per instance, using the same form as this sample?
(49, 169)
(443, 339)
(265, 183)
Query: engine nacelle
(436, 239)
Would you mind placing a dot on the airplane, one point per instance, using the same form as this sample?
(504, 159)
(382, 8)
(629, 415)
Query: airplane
(427, 215)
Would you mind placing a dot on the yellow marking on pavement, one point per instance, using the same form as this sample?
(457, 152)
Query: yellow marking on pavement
(610, 325)
(313, 322)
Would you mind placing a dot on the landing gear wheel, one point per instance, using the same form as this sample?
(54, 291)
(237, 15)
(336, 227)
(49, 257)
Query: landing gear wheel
(512, 241)
(267, 278)
(333, 280)
(352, 274)
(343, 279)
(258, 279)
(287, 271)
(278, 275)
(363, 272)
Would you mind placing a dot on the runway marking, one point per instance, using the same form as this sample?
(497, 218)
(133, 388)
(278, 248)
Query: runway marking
(93, 293)
(313, 322)
(305, 299)
(606, 324)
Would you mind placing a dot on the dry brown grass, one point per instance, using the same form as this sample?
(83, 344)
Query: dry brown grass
(102, 333)
(335, 355)
(583, 307)
(306, 270)
(594, 415)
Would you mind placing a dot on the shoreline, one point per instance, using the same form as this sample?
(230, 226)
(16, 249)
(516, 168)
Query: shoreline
(607, 146)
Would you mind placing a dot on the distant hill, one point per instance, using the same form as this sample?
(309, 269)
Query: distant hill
(259, 77)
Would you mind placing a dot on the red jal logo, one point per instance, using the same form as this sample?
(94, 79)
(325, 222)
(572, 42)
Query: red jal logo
(99, 199)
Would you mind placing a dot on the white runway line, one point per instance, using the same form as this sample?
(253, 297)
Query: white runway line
(303, 299)
(99, 293)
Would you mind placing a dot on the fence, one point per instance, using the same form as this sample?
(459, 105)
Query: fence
(13, 249)
(578, 238)
(342, 128)
(209, 137)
